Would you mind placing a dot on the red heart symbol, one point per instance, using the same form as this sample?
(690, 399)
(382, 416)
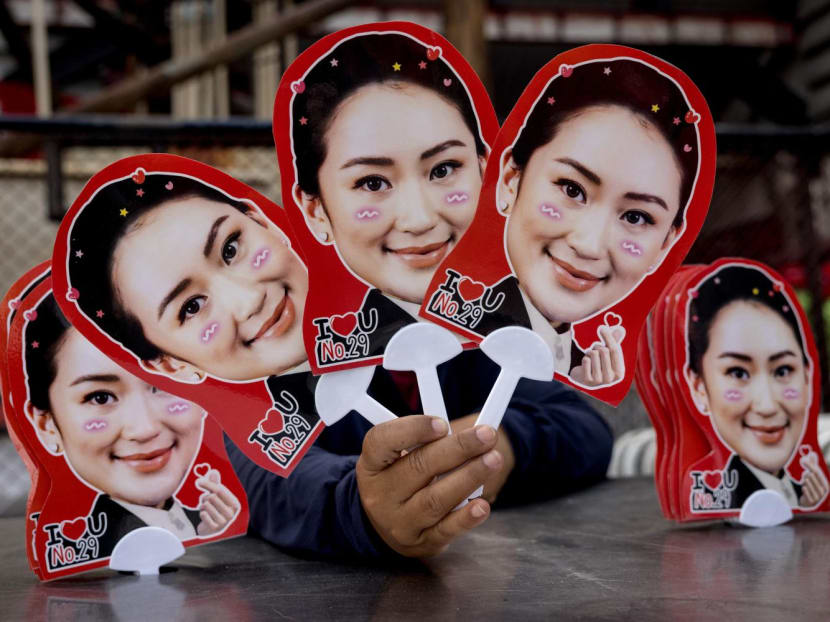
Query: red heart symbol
(565, 70)
(273, 422)
(447, 81)
(344, 324)
(692, 117)
(138, 176)
(201, 469)
(298, 86)
(169, 185)
(687, 148)
(470, 290)
(612, 319)
(72, 294)
(713, 479)
(74, 529)
(30, 315)
(13, 304)
(433, 53)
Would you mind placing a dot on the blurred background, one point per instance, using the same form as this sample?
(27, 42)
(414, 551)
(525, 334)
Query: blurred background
(85, 82)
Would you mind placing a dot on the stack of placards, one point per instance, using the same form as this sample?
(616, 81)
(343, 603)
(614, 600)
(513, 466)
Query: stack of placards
(728, 371)
(123, 474)
(176, 290)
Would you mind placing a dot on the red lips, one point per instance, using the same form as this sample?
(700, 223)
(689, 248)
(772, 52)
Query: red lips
(149, 462)
(572, 278)
(278, 322)
(768, 435)
(420, 257)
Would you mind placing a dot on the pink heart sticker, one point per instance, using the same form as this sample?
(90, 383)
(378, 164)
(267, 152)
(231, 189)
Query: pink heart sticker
(298, 86)
(565, 70)
(30, 315)
(72, 294)
(201, 469)
(433, 53)
(138, 176)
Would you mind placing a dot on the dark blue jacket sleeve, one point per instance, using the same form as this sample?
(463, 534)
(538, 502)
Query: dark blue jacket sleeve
(315, 510)
(560, 442)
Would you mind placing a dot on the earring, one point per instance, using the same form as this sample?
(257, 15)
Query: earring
(502, 205)
(196, 377)
(54, 448)
(323, 236)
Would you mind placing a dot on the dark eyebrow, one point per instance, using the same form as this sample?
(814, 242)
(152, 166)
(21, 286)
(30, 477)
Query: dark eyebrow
(442, 147)
(373, 161)
(648, 198)
(96, 378)
(592, 176)
(211, 238)
(781, 354)
(736, 355)
(183, 284)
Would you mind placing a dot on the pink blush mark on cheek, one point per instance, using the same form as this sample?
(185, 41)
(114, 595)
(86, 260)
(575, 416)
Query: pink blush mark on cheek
(791, 394)
(210, 332)
(457, 197)
(367, 214)
(95, 425)
(632, 248)
(178, 407)
(260, 257)
(551, 211)
(733, 395)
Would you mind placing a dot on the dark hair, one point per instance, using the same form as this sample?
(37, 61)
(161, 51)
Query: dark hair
(361, 60)
(630, 84)
(95, 235)
(734, 284)
(43, 338)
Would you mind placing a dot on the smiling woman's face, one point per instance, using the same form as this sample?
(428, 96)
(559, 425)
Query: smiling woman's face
(120, 434)
(215, 289)
(591, 212)
(398, 187)
(755, 384)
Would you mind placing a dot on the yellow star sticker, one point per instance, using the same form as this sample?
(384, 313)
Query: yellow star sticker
(123, 211)
(396, 66)
(655, 108)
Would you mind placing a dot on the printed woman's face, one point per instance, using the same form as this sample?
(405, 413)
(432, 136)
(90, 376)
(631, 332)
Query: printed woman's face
(121, 435)
(215, 289)
(591, 212)
(755, 384)
(399, 185)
